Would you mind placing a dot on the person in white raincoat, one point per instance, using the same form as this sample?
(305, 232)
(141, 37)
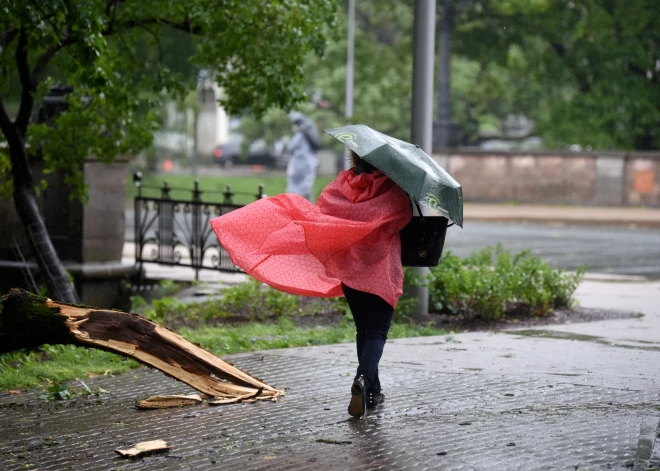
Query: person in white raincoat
(301, 169)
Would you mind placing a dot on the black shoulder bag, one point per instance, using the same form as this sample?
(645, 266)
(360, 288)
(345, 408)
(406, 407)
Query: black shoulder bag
(423, 239)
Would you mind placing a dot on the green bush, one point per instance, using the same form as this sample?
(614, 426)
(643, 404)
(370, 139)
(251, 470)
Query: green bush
(491, 283)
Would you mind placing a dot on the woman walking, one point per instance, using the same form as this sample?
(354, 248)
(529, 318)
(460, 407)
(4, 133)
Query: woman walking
(346, 244)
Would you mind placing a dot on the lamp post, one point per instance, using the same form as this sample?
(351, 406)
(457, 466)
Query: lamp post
(349, 74)
(422, 106)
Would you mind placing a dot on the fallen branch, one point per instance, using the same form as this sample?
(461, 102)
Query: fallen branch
(28, 321)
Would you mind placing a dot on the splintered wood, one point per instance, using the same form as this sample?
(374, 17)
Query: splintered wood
(144, 448)
(27, 320)
(167, 402)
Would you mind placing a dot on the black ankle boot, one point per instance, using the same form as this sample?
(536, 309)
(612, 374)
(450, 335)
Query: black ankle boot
(358, 404)
(373, 399)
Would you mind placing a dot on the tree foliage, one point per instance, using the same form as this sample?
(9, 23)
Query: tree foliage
(121, 57)
(116, 59)
(587, 71)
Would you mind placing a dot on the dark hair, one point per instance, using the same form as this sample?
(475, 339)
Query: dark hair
(360, 164)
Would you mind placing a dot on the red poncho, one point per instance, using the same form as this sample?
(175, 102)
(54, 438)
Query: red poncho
(350, 235)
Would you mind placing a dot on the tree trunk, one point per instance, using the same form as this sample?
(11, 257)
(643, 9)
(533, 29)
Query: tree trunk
(25, 201)
(58, 283)
(27, 321)
(446, 26)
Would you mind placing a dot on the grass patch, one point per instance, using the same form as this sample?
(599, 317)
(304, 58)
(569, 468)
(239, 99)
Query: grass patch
(285, 334)
(490, 284)
(245, 187)
(55, 364)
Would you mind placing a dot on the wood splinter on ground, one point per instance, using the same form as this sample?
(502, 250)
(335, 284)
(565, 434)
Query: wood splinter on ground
(144, 448)
(167, 402)
(28, 321)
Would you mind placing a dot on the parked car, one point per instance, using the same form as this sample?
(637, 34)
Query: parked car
(227, 154)
(257, 153)
(260, 153)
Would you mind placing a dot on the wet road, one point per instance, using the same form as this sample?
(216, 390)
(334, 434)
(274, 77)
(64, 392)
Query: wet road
(622, 251)
(602, 249)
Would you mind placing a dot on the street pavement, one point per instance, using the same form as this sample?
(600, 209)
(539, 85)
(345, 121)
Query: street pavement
(575, 396)
(603, 249)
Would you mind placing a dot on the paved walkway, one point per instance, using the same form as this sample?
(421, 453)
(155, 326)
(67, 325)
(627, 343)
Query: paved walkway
(576, 396)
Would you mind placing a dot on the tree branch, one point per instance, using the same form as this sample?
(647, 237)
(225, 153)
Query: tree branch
(559, 49)
(20, 168)
(583, 82)
(7, 37)
(640, 71)
(6, 124)
(157, 40)
(47, 17)
(27, 94)
(186, 27)
(29, 78)
(45, 58)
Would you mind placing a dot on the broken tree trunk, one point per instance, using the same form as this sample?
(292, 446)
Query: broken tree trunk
(27, 321)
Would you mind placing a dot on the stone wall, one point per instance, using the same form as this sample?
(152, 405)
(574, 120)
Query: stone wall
(609, 179)
(103, 217)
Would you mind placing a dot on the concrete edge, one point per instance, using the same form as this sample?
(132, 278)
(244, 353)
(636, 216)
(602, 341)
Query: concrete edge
(558, 221)
(612, 278)
(649, 430)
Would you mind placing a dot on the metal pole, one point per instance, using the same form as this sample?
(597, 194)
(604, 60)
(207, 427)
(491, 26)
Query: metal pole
(349, 73)
(422, 106)
(446, 24)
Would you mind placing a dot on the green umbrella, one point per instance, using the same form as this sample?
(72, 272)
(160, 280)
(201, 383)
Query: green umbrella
(408, 166)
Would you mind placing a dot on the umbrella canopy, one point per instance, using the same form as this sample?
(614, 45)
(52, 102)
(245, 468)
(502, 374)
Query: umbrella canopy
(408, 166)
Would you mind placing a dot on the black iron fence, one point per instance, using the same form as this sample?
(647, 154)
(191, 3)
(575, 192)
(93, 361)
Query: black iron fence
(177, 232)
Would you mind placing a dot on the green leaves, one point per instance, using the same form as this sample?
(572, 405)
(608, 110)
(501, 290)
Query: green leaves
(57, 392)
(61, 392)
(120, 57)
(492, 283)
(586, 72)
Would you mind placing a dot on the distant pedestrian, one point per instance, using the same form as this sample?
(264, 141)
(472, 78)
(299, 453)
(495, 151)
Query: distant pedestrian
(347, 244)
(303, 160)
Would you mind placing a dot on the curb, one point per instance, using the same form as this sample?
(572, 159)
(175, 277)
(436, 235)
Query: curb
(559, 221)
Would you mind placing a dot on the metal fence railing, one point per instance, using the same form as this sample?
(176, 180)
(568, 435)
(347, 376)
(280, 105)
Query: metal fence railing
(176, 232)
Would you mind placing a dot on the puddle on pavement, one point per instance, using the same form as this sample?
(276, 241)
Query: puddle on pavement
(554, 334)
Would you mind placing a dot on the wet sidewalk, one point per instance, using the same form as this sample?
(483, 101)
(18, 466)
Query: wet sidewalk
(577, 396)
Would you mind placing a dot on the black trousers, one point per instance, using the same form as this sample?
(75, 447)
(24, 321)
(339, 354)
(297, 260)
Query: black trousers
(373, 318)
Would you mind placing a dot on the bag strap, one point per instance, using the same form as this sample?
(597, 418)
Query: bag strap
(419, 211)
